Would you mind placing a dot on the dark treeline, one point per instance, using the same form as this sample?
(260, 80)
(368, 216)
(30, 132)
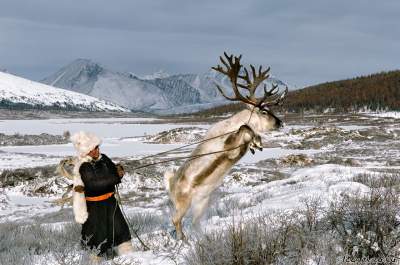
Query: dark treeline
(374, 92)
(58, 106)
(9, 105)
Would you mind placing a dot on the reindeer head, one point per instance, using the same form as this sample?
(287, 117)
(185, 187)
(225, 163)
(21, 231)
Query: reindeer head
(261, 107)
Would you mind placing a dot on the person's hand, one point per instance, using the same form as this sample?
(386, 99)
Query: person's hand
(79, 189)
(120, 170)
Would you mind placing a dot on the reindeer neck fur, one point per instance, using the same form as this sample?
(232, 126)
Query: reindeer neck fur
(196, 167)
(237, 120)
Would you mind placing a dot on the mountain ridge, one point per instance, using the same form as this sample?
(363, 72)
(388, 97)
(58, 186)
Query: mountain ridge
(162, 93)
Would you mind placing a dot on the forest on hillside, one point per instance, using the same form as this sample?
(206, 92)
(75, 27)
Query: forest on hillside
(374, 92)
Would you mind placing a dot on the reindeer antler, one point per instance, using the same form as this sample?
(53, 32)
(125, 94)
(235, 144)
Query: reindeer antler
(233, 67)
(232, 70)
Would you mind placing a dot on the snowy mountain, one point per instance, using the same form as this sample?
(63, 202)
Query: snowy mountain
(208, 95)
(159, 92)
(177, 91)
(205, 84)
(157, 75)
(17, 92)
(124, 89)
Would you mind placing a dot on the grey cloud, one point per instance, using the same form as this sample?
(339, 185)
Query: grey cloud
(304, 42)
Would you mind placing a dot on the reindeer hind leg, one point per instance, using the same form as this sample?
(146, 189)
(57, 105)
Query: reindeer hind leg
(182, 204)
(199, 206)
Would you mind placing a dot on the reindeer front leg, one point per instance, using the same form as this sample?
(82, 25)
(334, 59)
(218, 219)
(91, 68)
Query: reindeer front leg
(242, 138)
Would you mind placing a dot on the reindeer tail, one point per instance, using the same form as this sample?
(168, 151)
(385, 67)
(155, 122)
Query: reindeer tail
(168, 178)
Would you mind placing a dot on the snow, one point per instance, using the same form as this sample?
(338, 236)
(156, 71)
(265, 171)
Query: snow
(12, 160)
(18, 200)
(388, 114)
(354, 127)
(113, 132)
(109, 127)
(275, 152)
(145, 258)
(259, 192)
(20, 90)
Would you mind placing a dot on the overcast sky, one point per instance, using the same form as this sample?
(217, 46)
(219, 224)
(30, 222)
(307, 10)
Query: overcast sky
(304, 42)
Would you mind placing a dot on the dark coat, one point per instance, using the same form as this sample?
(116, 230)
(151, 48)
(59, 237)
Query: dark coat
(105, 226)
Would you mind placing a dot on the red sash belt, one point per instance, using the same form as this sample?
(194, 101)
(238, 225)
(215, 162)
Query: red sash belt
(100, 198)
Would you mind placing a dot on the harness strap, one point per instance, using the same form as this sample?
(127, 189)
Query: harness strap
(100, 198)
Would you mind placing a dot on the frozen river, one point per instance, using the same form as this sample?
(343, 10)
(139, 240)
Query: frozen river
(113, 131)
(106, 128)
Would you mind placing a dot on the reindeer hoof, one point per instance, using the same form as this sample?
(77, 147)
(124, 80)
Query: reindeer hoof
(173, 234)
(183, 237)
(178, 236)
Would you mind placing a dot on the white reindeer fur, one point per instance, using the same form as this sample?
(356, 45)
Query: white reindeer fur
(78, 198)
(199, 195)
(257, 122)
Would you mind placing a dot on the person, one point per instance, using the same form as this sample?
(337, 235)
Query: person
(94, 204)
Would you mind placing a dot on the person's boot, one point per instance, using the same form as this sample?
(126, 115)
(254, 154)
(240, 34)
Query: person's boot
(95, 260)
(124, 248)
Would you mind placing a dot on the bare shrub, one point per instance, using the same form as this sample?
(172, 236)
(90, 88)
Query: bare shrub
(255, 241)
(145, 222)
(367, 226)
(66, 135)
(357, 226)
(177, 135)
(22, 244)
(296, 160)
(41, 139)
(12, 177)
(382, 180)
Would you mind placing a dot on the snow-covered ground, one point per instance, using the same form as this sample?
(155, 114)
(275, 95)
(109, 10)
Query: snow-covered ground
(388, 114)
(314, 156)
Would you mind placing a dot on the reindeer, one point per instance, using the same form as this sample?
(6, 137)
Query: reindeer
(63, 171)
(194, 181)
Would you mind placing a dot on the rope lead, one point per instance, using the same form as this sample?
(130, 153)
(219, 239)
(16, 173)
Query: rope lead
(181, 147)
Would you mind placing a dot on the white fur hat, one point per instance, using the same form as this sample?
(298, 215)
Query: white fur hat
(84, 142)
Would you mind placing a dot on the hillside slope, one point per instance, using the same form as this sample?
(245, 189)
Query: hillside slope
(374, 92)
(87, 77)
(20, 93)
